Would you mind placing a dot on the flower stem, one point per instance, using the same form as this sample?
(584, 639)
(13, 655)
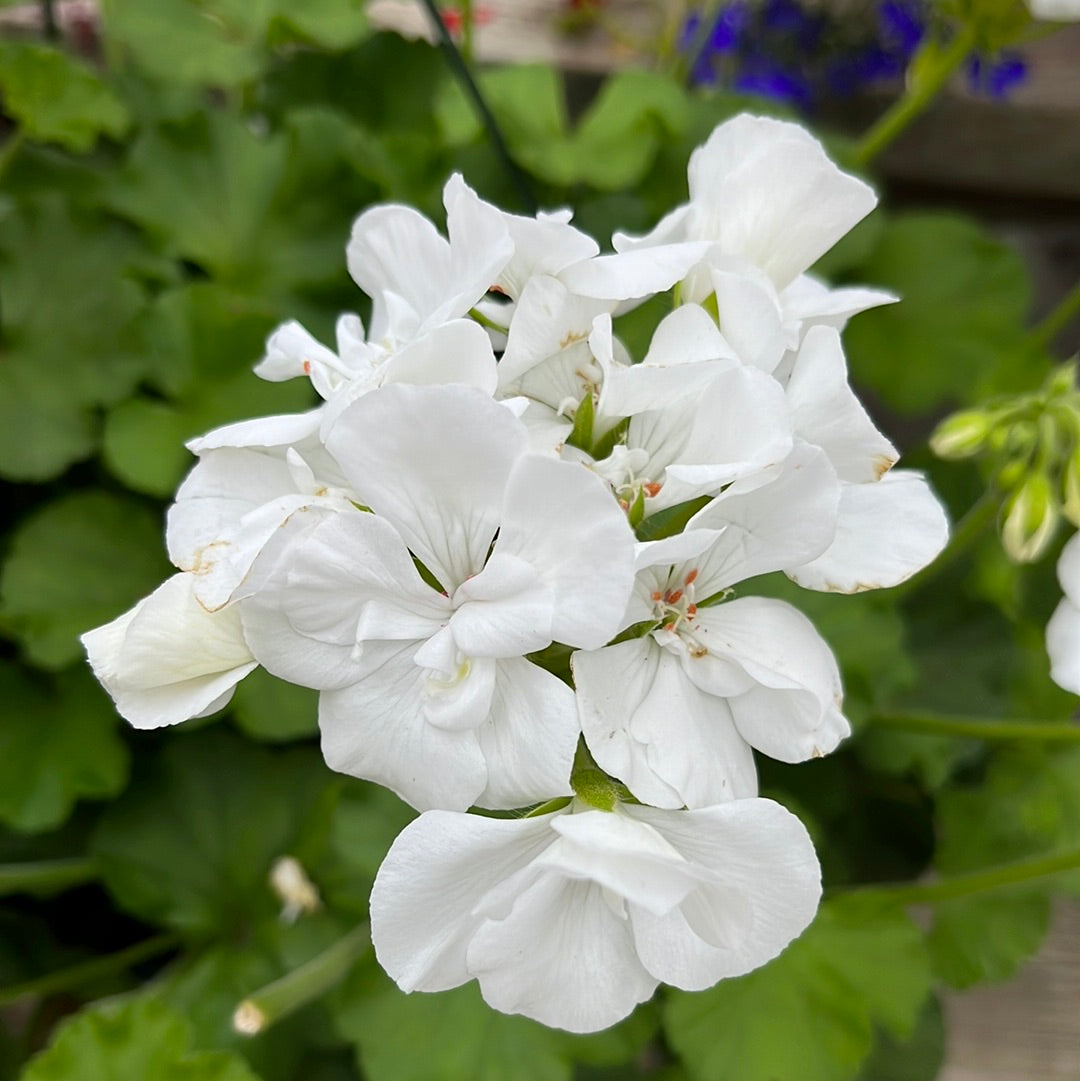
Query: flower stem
(462, 74)
(933, 724)
(45, 876)
(952, 887)
(1053, 324)
(88, 971)
(928, 73)
(301, 986)
(467, 15)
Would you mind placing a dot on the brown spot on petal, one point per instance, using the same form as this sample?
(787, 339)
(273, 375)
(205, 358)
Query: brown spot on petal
(882, 464)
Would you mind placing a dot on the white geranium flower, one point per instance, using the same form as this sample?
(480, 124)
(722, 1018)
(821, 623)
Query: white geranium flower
(168, 659)
(574, 917)
(251, 476)
(426, 687)
(763, 190)
(674, 714)
(1063, 630)
(417, 279)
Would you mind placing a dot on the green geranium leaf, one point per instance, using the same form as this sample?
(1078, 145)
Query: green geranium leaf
(964, 299)
(618, 138)
(203, 342)
(136, 1040)
(918, 1058)
(268, 708)
(225, 42)
(238, 204)
(58, 743)
(461, 1036)
(57, 99)
(77, 563)
(191, 844)
(984, 939)
(810, 1013)
(68, 302)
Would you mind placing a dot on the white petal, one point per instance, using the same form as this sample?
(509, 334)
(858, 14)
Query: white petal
(750, 314)
(562, 957)
(765, 189)
(455, 352)
(376, 729)
(282, 431)
(885, 532)
(1063, 645)
(1068, 569)
(770, 527)
(529, 738)
(548, 319)
(561, 519)
(766, 892)
(433, 461)
(828, 414)
(168, 659)
(430, 885)
(504, 611)
(622, 855)
(794, 712)
(647, 724)
(542, 245)
(632, 274)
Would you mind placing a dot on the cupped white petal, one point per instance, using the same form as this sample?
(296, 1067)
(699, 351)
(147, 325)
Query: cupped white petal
(828, 414)
(885, 532)
(791, 518)
(563, 956)
(376, 728)
(504, 611)
(646, 723)
(765, 189)
(793, 712)
(168, 659)
(455, 352)
(561, 519)
(749, 312)
(765, 892)
(434, 462)
(427, 891)
(529, 737)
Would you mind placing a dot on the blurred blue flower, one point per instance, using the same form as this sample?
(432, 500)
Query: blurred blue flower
(790, 53)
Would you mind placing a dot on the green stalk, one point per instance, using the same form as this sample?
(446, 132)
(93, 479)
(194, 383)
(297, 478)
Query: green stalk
(952, 887)
(467, 15)
(45, 876)
(1053, 324)
(927, 75)
(88, 971)
(933, 724)
(461, 72)
(303, 985)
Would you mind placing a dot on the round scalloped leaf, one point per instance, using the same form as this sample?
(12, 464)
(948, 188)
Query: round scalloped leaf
(75, 564)
(58, 743)
(137, 1040)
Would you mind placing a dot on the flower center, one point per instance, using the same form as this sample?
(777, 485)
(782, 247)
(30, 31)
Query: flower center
(676, 609)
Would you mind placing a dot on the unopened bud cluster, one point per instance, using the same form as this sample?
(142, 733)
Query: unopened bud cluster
(492, 484)
(1032, 446)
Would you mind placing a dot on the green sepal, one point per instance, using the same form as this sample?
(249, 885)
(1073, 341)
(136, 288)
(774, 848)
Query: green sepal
(668, 522)
(581, 435)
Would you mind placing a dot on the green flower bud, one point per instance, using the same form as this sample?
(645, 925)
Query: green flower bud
(1031, 517)
(962, 435)
(1062, 381)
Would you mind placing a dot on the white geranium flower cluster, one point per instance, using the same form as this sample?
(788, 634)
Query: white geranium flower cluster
(492, 474)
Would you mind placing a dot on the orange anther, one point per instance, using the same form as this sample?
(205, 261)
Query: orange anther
(655, 595)
(674, 597)
(307, 367)
(652, 489)
(691, 576)
(692, 610)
